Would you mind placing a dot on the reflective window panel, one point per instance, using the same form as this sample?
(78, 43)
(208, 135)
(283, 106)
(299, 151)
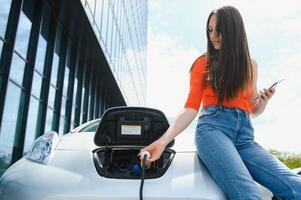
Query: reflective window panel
(23, 33)
(17, 69)
(9, 123)
(49, 118)
(31, 123)
(4, 11)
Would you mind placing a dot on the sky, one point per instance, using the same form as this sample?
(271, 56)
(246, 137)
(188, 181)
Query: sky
(176, 37)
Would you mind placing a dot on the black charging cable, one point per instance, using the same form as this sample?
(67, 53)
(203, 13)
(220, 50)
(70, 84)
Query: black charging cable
(142, 176)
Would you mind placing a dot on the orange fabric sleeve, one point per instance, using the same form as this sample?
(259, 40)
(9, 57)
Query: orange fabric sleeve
(197, 85)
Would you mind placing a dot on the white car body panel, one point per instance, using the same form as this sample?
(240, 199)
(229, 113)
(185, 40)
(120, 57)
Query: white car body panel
(71, 175)
(66, 179)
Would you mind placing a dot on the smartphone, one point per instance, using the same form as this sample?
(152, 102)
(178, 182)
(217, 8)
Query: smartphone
(273, 86)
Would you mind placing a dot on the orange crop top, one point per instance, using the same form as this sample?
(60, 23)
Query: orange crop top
(201, 92)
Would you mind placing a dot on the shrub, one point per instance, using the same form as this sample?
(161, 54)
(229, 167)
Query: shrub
(291, 160)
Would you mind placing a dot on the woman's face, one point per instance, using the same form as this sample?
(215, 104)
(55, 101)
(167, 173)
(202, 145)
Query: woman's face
(215, 37)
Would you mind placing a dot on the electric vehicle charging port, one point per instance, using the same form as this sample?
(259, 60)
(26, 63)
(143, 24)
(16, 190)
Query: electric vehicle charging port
(124, 163)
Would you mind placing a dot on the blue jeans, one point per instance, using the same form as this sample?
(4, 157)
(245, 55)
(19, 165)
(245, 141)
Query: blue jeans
(225, 143)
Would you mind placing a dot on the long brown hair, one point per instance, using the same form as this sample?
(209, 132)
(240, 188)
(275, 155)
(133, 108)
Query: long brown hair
(229, 69)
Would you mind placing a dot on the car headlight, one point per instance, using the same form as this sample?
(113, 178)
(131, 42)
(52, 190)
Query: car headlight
(42, 148)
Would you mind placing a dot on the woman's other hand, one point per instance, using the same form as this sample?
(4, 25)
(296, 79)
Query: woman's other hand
(184, 118)
(155, 149)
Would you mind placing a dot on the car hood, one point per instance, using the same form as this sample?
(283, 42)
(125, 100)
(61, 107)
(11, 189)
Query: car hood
(77, 178)
(72, 175)
(85, 141)
(77, 141)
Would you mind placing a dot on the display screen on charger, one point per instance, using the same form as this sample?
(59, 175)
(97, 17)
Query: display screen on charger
(130, 129)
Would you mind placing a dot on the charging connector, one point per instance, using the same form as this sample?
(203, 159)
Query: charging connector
(145, 155)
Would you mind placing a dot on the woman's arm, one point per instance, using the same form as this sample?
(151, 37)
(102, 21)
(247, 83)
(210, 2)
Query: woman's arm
(259, 100)
(187, 114)
(183, 119)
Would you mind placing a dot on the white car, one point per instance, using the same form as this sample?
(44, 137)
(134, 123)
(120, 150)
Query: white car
(98, 161)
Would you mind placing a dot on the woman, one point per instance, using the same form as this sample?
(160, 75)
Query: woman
(224, 81)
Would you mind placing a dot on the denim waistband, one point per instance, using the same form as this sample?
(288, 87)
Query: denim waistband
(227, 109)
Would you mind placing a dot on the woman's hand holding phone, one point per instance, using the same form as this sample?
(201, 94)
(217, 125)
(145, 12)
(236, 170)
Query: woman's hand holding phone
(266, 94)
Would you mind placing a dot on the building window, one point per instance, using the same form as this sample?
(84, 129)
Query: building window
(76, 93)
(1, 45)
(9, 123)
(98, 12)
(104, 23)
(36, 84)
(62, 125)
(91, 5)
(66, 80)
(90, 105)
(4, 11)
(73, 124)
(56, 57)
(49, 119)
(51, 96)
(55, 67)
(41, 52)
(63, 107)
(82, 113)
(67, 69)
(54, 98)
(75, 90)
(22, 36)
(109, 33)
(31, 123)
(17, 69)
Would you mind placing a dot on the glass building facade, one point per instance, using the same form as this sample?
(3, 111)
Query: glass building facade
(63, 64)
(121, 29)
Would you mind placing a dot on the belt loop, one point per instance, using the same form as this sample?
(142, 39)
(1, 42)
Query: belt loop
(221, 108)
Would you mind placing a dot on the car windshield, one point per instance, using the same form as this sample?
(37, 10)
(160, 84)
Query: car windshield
(92, 127)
